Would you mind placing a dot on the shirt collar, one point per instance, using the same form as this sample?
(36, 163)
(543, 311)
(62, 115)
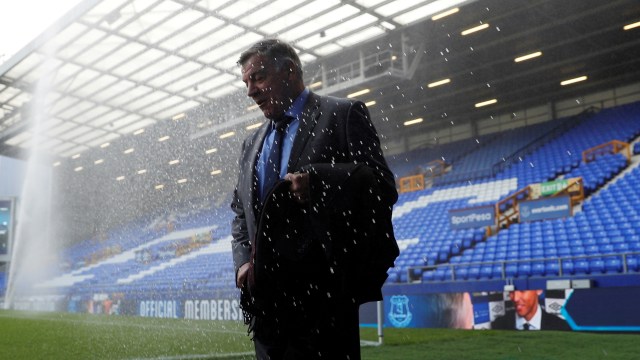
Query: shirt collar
(535, 322)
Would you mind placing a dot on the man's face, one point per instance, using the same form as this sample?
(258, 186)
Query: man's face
(526, 302)
(269, 87)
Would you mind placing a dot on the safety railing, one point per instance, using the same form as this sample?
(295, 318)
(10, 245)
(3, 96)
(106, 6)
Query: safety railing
(423, 180)
(510, 268)
(612, 147)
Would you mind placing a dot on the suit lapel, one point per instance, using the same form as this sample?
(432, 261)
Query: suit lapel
(251, 158)
(307, 123)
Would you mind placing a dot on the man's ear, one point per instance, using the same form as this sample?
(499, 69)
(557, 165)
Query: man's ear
(291, 68)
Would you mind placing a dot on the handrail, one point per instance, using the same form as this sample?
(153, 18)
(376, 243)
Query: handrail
(611, 147)
(576, 193)
(411, 183)
(435, 168)
(419, 181)
(502, 219)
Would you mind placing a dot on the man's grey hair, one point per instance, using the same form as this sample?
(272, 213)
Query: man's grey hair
(275, 49)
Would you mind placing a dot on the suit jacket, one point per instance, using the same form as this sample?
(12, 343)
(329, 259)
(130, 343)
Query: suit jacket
(548, 322)
(338, 146)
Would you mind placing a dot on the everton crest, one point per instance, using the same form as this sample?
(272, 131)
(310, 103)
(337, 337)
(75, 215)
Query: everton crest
(399, 315)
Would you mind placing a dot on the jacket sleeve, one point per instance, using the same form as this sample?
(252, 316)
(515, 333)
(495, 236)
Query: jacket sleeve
(241, 241)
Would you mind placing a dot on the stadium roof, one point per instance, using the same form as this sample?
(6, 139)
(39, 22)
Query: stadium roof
(157, 80)
(110, 68)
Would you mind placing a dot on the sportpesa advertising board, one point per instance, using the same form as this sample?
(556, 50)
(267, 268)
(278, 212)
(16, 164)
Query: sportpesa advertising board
(472, 217)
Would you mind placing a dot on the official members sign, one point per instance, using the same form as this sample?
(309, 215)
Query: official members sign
(545, 208)
(472, 217)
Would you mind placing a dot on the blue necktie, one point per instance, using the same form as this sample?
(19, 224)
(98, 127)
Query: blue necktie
(272, 165)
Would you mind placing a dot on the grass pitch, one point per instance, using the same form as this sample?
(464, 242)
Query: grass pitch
(77, 336)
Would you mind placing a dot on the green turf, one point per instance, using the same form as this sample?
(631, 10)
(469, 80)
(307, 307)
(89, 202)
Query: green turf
(445, 344)
(75, 336)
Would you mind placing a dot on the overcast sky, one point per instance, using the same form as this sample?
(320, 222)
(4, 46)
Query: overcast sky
(23, 20)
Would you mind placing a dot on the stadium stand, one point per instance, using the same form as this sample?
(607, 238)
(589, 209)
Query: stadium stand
(187, 249)
(559, 247)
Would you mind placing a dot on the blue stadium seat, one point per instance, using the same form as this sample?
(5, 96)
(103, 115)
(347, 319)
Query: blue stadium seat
(621, 248)
(581, 266)
(537, 268)
(613, 265)
(461, 272)
(511, 270)
(404, 277)
(496, 271)
(477, 257)
(568, 267)
(448, 274)
(486, 272)
(606, 249)
(551, 268)
(596, 266)
(474, 272)
(524, 254)
(443, 255)
(633, 263)
(564, 252)
(537, 253)
(428, 275)
(490, 256)
(592, 250)
(524, 269)
(439, 274)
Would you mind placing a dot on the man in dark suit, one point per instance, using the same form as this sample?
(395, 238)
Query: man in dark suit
(528, 314)
(312, 233)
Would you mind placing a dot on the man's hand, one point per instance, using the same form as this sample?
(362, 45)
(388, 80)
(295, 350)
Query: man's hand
(243, 272)
(299, 188)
